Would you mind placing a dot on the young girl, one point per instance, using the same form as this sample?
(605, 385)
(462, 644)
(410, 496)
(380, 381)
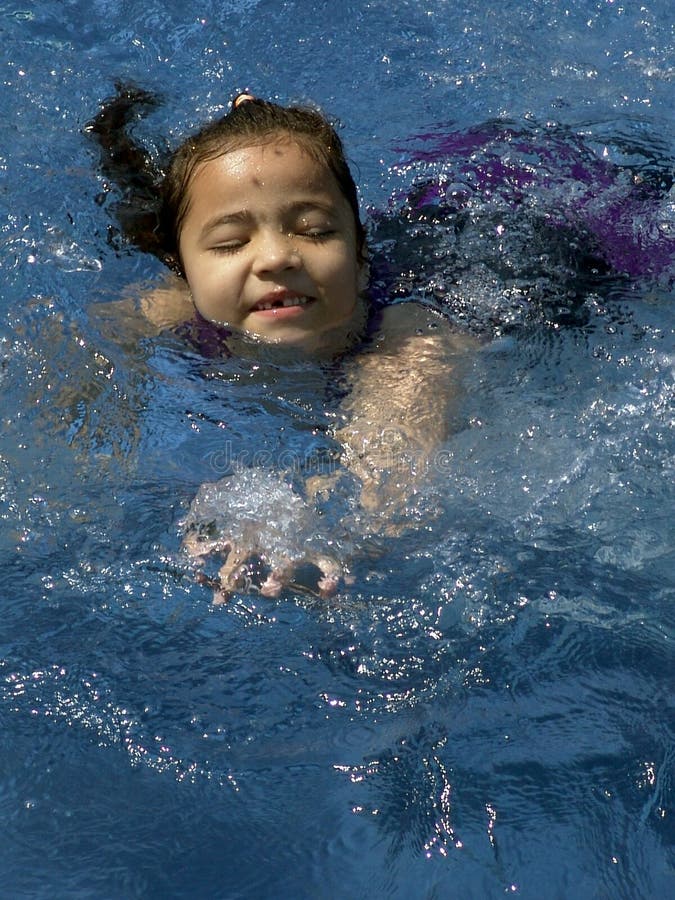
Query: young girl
(257, 216)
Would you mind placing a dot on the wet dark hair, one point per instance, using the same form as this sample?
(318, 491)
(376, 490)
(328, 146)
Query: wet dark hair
(155, 195)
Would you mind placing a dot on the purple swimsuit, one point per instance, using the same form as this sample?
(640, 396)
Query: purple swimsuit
(630, 216)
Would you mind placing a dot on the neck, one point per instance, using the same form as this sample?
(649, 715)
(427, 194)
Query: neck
(342, 338)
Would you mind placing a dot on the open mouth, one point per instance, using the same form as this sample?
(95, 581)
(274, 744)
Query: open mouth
(281, 303)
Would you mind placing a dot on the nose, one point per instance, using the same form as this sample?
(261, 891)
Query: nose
(275, 252)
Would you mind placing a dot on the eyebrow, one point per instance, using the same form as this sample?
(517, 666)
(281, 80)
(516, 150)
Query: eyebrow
(242, 216)
(234, 218)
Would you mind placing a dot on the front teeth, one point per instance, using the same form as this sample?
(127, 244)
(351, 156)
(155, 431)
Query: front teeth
(289, 301)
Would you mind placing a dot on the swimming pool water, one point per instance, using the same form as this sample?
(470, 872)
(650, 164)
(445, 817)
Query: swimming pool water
(488, 710)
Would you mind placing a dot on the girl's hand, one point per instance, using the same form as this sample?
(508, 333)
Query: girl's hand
(266, 535)
(246, 568)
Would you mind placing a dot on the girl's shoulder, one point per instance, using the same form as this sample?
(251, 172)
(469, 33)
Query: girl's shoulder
(146, 312)
(168, 305)
(411, 325)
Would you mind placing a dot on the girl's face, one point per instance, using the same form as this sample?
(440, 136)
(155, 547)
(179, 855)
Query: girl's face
(268, 245)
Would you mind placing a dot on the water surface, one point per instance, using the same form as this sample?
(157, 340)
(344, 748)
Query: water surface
(488, 710)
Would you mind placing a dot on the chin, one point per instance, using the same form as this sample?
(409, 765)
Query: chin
(334, 338)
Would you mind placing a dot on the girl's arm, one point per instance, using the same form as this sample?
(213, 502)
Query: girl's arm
(145, 313)
(404, 393)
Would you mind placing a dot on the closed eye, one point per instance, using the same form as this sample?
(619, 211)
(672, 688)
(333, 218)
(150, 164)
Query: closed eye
(229, 247)
(317, 234)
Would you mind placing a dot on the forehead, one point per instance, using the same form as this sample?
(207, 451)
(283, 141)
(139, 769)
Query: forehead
(281, 163)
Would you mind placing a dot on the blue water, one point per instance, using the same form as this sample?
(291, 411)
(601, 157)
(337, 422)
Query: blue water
(488, 710)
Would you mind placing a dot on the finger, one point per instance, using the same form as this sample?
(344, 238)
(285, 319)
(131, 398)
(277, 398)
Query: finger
(332, 572)
(277, 580)
(221, 597)
(198, 547)
(233, 571)
(328, 586)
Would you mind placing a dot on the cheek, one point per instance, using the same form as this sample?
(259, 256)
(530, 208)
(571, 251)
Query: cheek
(188, 263)
(345, 269)
(205, 272)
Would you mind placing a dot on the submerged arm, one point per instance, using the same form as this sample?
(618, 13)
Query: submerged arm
(399, 412)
